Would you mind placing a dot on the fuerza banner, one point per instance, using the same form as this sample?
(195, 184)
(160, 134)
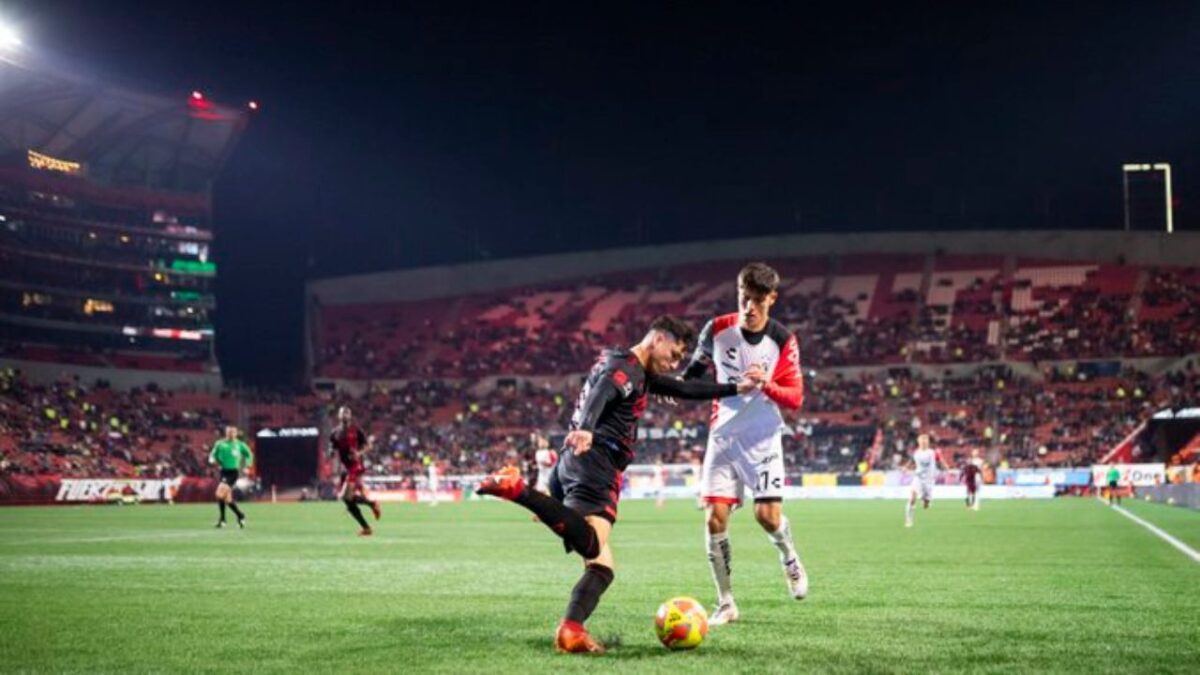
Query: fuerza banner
(20, 489)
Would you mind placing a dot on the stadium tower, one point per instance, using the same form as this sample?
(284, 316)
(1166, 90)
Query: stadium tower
(106, 228)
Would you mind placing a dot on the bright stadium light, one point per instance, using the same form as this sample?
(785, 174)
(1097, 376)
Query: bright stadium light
(8, 37)
(196, 95)
(253, 105)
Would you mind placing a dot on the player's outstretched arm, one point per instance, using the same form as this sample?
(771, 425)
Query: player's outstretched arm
(696, 390)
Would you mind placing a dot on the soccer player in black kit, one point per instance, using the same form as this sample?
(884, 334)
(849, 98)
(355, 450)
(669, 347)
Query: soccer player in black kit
(585, 484)
(349, 441)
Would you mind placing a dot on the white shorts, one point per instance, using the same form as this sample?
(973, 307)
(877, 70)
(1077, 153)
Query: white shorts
(543, 479)
(731, 467)
(923, 488)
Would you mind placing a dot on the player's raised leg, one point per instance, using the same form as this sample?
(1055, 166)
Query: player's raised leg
(769, 514)
(570, 526)
(761, 468)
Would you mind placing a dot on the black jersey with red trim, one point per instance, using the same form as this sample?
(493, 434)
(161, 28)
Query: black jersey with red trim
(614, 397)
(348, 442)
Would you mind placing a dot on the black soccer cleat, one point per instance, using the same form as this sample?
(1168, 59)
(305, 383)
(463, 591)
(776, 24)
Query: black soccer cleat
(220, 524)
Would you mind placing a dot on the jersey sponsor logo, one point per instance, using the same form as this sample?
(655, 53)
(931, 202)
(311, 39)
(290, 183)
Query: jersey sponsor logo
(731, 353)
(622, 381)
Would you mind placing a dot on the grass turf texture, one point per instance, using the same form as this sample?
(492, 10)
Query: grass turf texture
(1020, 586)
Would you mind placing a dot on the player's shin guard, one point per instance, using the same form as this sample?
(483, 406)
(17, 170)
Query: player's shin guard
(573, 528)
(586, 594)
(719, 559)
(782, 540)
(352, 507)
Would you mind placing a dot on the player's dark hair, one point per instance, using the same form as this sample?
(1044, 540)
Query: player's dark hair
(759, 278)
(681, 329)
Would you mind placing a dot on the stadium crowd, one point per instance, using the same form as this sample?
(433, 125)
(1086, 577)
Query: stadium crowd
(1063, 416)
(557, 330)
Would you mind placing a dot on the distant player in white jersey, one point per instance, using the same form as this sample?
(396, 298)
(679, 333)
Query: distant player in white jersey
(745, 438)
(545, 458)
(658, 482)
(925, 463)
(433, 483)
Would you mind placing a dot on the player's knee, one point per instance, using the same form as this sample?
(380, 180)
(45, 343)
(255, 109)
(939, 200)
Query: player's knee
(718, 520)
(769, 519)
(603, 559)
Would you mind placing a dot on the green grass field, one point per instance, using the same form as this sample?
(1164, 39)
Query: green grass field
(1020, 586)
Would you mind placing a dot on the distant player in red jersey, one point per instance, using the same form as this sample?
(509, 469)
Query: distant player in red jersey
(972, 477)
(349, 441)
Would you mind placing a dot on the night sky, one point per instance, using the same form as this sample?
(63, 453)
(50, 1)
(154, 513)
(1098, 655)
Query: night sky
(425, 134)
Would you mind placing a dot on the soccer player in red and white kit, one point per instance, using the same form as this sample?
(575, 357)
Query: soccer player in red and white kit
(745, 438)
(349, 441)
(545, 458)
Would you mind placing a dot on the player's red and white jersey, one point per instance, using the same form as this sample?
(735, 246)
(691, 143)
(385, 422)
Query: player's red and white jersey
(732, 351)
(545, 459)
(926, 461)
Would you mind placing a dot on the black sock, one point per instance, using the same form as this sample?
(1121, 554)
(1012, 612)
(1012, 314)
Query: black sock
(236, 511)
(352, 507)
(586, 594)
(359, 499)
(575, 531)
(221, 503)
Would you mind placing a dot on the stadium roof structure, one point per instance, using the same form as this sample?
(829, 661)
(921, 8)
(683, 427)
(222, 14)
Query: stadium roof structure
(118, 136)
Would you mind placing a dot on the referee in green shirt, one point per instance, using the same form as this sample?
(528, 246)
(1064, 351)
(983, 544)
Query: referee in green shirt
(1114, 484)
(230, 454)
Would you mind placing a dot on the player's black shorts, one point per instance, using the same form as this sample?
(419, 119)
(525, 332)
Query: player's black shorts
(229, 476)
(1112, 485)
(589, 483)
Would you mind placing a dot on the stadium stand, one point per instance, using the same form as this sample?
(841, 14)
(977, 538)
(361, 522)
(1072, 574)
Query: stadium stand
(106, 223)
(877, 310)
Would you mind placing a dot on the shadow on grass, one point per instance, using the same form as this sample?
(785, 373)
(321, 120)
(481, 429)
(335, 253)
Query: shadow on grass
(618, 649)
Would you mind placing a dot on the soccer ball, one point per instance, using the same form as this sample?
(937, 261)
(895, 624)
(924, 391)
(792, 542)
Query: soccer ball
(681, 623)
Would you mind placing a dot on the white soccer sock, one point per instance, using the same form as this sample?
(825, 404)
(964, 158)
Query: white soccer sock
(782, 540)
(719, 557)
(908, 511)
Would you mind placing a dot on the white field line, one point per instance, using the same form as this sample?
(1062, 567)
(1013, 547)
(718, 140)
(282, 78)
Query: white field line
(1184, 548)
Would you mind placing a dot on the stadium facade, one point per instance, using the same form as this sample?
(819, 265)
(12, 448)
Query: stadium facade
(106, 228)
